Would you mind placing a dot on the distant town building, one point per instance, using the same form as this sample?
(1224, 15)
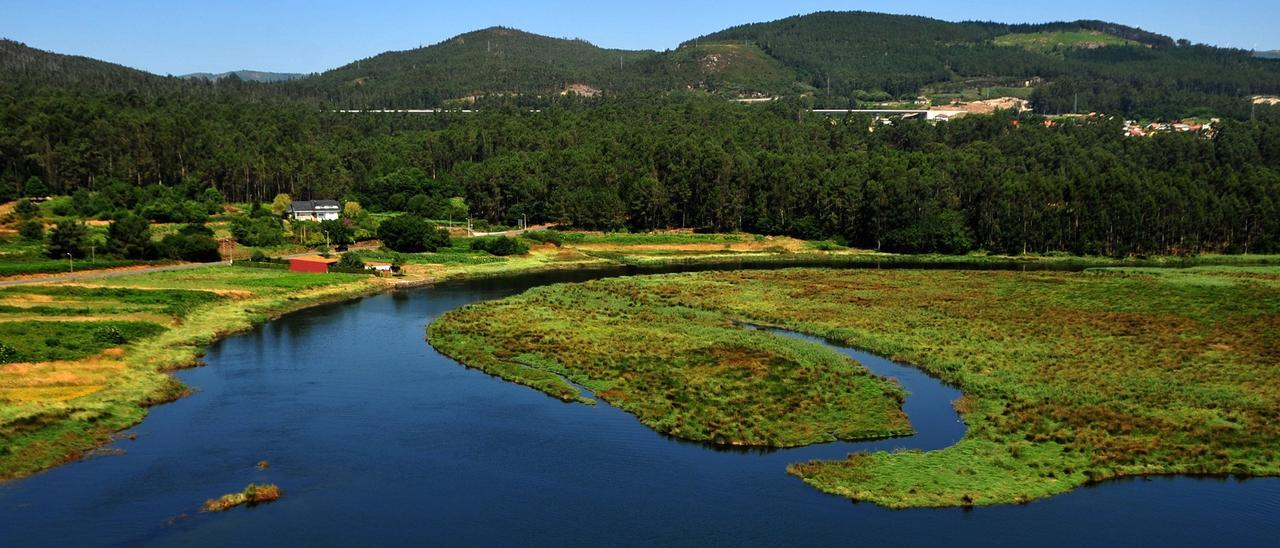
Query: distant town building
(315, 210)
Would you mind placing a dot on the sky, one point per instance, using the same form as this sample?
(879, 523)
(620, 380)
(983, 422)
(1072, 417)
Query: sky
(184, 36)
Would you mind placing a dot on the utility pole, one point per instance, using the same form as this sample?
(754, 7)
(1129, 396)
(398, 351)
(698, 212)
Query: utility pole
(92, 257)
(1075, 108)
(71, 262)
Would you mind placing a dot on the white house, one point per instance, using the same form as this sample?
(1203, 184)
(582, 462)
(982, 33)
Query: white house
(315, 210)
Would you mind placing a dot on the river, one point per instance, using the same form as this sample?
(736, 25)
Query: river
(377, 439)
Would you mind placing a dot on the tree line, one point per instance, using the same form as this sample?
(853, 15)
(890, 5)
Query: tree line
(1003, 183)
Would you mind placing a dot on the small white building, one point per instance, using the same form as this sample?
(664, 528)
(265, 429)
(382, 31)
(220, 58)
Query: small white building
(315, 210)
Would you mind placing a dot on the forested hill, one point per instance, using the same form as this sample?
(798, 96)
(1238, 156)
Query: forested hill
(41, 72)
(20, 63)
(839, 59)
(1095, 65)
(492, 61)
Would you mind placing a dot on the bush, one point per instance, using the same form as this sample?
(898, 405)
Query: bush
(409, 234)
(8, 354)
(110, 335)
(26, 209)
(193, 243)
(258, 256)
(500, 246)
(257, 231)
(350, 261)
(31, 230)
(553, 237)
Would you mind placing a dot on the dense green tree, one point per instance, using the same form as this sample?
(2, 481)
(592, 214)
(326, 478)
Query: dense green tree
(339, 232)
(501, 246)
(130, 237)
(31, 230)
(26, 209)
(411, 234)
(69, 237)
(258, 231)
(193, 242)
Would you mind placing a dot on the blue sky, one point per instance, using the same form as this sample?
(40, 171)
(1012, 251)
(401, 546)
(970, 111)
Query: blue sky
(180, 36)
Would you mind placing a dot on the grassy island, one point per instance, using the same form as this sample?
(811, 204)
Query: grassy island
(684, 371)
(1068, 377)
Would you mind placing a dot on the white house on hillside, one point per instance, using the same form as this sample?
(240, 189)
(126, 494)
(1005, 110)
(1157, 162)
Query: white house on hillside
(315, 210)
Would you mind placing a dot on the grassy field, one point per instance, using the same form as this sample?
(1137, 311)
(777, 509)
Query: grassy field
(91, 358)
(21, 257)
(683, 371)
(1068, 377)
(1054, 41)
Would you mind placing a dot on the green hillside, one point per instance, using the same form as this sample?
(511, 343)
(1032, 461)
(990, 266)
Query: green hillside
(734, 68)
(1059, 41)
(1139, 73)
(491, 61)
(841, 59)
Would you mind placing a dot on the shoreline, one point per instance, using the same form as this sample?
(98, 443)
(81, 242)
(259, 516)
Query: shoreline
(182, 347)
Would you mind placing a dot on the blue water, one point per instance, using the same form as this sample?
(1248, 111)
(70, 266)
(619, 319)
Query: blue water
(378, 440)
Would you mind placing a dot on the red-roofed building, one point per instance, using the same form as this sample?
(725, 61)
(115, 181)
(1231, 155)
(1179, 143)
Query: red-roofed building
(311, 263)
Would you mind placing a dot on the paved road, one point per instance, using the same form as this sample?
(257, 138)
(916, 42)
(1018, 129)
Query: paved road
(517, 232)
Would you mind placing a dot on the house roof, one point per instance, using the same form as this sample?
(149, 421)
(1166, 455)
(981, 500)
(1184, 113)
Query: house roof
(315, 205)
(314, 259)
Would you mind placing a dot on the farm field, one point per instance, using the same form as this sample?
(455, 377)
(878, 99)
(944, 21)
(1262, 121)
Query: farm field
(1069, 378)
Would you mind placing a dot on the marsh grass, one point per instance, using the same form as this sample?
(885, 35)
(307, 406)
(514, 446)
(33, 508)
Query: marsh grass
(683, 371)
(1069, 377)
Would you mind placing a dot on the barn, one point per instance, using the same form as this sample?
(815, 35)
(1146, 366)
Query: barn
(311, 263)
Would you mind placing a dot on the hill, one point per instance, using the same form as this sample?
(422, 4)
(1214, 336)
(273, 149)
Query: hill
(1100, 66)
(245, 75)
(1271, 54)
(493, 61)
(20, 63)
(840, 59)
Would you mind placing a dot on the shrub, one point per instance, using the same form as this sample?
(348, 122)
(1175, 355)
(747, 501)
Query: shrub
(193, 243)
(257, 231)
(110, 335)
(409, 234)
(31, 230)
(351, 261)
(7, 353)
(253, 494)
(553, 237)
(26, 209)
(258, 256)
(501, 246)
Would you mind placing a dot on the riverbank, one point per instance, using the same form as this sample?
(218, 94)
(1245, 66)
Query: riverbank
(54, 411)
(1069, 378)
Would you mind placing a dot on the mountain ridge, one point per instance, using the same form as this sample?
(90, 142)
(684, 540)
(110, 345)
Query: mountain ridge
(245, 75)
(837, 59)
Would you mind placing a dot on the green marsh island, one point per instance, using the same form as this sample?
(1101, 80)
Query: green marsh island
(1068, 378)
